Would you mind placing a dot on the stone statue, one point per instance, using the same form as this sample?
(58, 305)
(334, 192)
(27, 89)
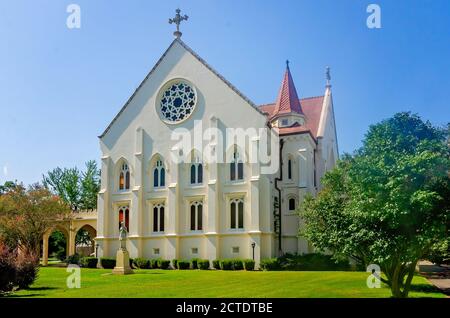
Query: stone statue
(123, 235)
(122, 257)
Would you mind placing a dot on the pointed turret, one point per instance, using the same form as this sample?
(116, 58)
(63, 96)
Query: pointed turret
(287, 101)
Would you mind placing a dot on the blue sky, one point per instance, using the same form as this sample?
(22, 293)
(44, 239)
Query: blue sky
(60, 87)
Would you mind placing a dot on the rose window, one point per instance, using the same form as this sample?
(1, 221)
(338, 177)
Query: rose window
(177, 102)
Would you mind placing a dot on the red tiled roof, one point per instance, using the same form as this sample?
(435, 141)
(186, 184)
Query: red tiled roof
(287, 101)
(312, 109)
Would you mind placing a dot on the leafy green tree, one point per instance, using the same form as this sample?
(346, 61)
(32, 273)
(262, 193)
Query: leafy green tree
(388, 204)
(90, 185)
(7, 186)
(78, 189)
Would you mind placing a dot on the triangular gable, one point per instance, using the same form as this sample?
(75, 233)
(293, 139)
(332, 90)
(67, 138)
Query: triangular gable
(202, 61)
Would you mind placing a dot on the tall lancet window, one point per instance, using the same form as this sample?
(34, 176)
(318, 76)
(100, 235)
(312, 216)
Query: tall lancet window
(290, 169)
(236, 167)
(159, 175)
(237, 214)
(124, 177)
(158, 218)
(196, 171)
(196, 216)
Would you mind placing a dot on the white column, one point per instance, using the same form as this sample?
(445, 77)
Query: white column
(303, 168)
(212, 217)
(171, 224)
(104, 206)
(254, 186)
(136, 208)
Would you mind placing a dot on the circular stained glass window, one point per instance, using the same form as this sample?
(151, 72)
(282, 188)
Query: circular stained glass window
(177, 102)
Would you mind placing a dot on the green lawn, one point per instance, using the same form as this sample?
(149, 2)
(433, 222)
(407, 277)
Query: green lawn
(196, 283)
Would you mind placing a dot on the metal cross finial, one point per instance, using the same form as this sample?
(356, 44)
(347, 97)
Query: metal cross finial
(328, 75)
(287, 63)
(177, 20)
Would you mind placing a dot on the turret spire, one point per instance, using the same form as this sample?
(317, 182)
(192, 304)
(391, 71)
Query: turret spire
(287, 101)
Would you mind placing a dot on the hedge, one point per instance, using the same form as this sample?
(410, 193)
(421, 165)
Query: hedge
(203, 264)
(238, 264)
(226, 264)
(249, 264)
(142, 263)
(163, 264)
(108, 263)
(194, 262)
(216, 264)
(154, 263)
(174, 263)
(89, 262)
(183, 264)
(305, 262)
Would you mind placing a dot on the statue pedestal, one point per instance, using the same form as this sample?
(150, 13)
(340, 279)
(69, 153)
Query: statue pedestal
(122, 263)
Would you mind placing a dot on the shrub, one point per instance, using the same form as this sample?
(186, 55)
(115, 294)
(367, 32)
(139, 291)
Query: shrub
(312, 262)
(194, 263)
(142, 263)
(249, 264)
(27, 268)
(270, 264)
(107, 262)
(216, 264)
(174, 263)
(183, 264)
(7, 268)
(61, 254)
(163, 263)
(238, 264)
(89, 262)
(226, 264)
(154, 263)
(203, 264)
(73, 259)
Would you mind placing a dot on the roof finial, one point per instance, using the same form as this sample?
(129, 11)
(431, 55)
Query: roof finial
(287, 63)
(177, 20)
(328, 76)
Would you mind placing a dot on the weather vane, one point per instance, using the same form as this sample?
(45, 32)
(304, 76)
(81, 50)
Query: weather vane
(177, 20)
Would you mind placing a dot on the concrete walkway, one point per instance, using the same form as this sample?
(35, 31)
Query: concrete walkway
(439, 276)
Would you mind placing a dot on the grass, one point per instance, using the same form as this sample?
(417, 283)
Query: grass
(212, 283)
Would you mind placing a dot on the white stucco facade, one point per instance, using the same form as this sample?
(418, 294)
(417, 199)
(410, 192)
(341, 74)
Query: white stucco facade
(138, 138)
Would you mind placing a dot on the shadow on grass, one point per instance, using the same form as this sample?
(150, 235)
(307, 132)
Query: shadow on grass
(425, 288)
(33, 289)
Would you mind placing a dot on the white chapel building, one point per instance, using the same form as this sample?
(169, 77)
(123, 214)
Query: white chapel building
(199, 208)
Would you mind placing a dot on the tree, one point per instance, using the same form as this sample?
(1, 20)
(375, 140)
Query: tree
(78, 189)
(7, 186)
(26, 214)
(90, 185)
(388, 203)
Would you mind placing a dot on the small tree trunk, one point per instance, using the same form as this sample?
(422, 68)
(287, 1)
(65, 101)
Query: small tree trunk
(408, 281)
(395, 285)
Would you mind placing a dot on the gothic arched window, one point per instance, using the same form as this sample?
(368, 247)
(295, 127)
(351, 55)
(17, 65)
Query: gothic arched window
(124, 177)
(236, 167)
(159, 175)
(292, 204)
(237, 214)
(158, 218)
(196, 171)
(290, 169)
(196, 216)
(124, 216)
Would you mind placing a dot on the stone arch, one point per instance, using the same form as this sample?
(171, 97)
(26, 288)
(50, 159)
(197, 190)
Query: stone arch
(86, 248)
